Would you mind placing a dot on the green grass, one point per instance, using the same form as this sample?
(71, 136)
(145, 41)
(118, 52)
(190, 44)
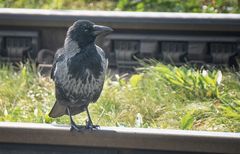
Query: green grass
(162, 96)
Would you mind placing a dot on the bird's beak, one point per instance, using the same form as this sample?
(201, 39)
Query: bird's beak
(98, 29)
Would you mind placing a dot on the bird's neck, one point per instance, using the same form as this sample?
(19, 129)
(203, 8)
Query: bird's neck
(83, 45)
(70, 45)
(74, 46)
(89, 45)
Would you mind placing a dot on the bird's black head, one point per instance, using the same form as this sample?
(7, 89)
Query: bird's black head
(85, 32)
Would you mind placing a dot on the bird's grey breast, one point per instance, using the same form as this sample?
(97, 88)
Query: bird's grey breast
(82, 76)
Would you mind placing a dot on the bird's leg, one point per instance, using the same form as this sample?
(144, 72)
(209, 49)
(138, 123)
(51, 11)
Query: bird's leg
(73, 124)
(89, 123)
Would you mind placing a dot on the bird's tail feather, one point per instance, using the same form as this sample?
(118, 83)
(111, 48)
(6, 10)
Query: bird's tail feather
(57, 110)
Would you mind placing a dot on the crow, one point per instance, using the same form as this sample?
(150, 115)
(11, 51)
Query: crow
(78, 71)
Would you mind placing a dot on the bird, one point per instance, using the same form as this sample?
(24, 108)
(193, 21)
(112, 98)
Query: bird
(78, 71)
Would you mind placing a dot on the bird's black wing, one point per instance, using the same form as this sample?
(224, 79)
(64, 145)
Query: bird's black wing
(104, 58)
(59, 91)
(58, 109)
(104, 63)
(59, 56)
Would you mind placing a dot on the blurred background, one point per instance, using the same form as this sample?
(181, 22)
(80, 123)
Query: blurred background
(202, 6)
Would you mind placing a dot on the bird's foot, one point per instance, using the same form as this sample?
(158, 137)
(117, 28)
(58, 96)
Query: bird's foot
(77, 128)
(93, 127)
(90, 126)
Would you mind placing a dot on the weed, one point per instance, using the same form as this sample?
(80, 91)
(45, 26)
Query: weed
(159, 96)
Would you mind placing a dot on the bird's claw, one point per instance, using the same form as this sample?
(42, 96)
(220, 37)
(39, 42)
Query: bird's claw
(90, 126)
(82, 128)
(76, 128)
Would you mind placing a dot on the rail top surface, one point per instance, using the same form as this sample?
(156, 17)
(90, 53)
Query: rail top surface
(118, 137)
(119, 19)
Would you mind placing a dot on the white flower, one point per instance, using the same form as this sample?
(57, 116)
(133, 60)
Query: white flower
(36, 112)
(5, 112)
(114, 83)
(204, 7)
(219, 77)
(138, 121)
(117, 77)
(204, 73)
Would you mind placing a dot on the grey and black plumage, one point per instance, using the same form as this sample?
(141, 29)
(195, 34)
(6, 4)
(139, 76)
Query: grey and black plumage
(78, 71)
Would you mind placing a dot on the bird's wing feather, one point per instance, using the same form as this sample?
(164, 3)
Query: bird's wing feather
(103, 56)
(57, 110)
(59, 56)
(104, 65)
(59, 91)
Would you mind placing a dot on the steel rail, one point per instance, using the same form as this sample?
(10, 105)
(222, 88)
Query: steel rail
(122, 20)
(121, 138)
